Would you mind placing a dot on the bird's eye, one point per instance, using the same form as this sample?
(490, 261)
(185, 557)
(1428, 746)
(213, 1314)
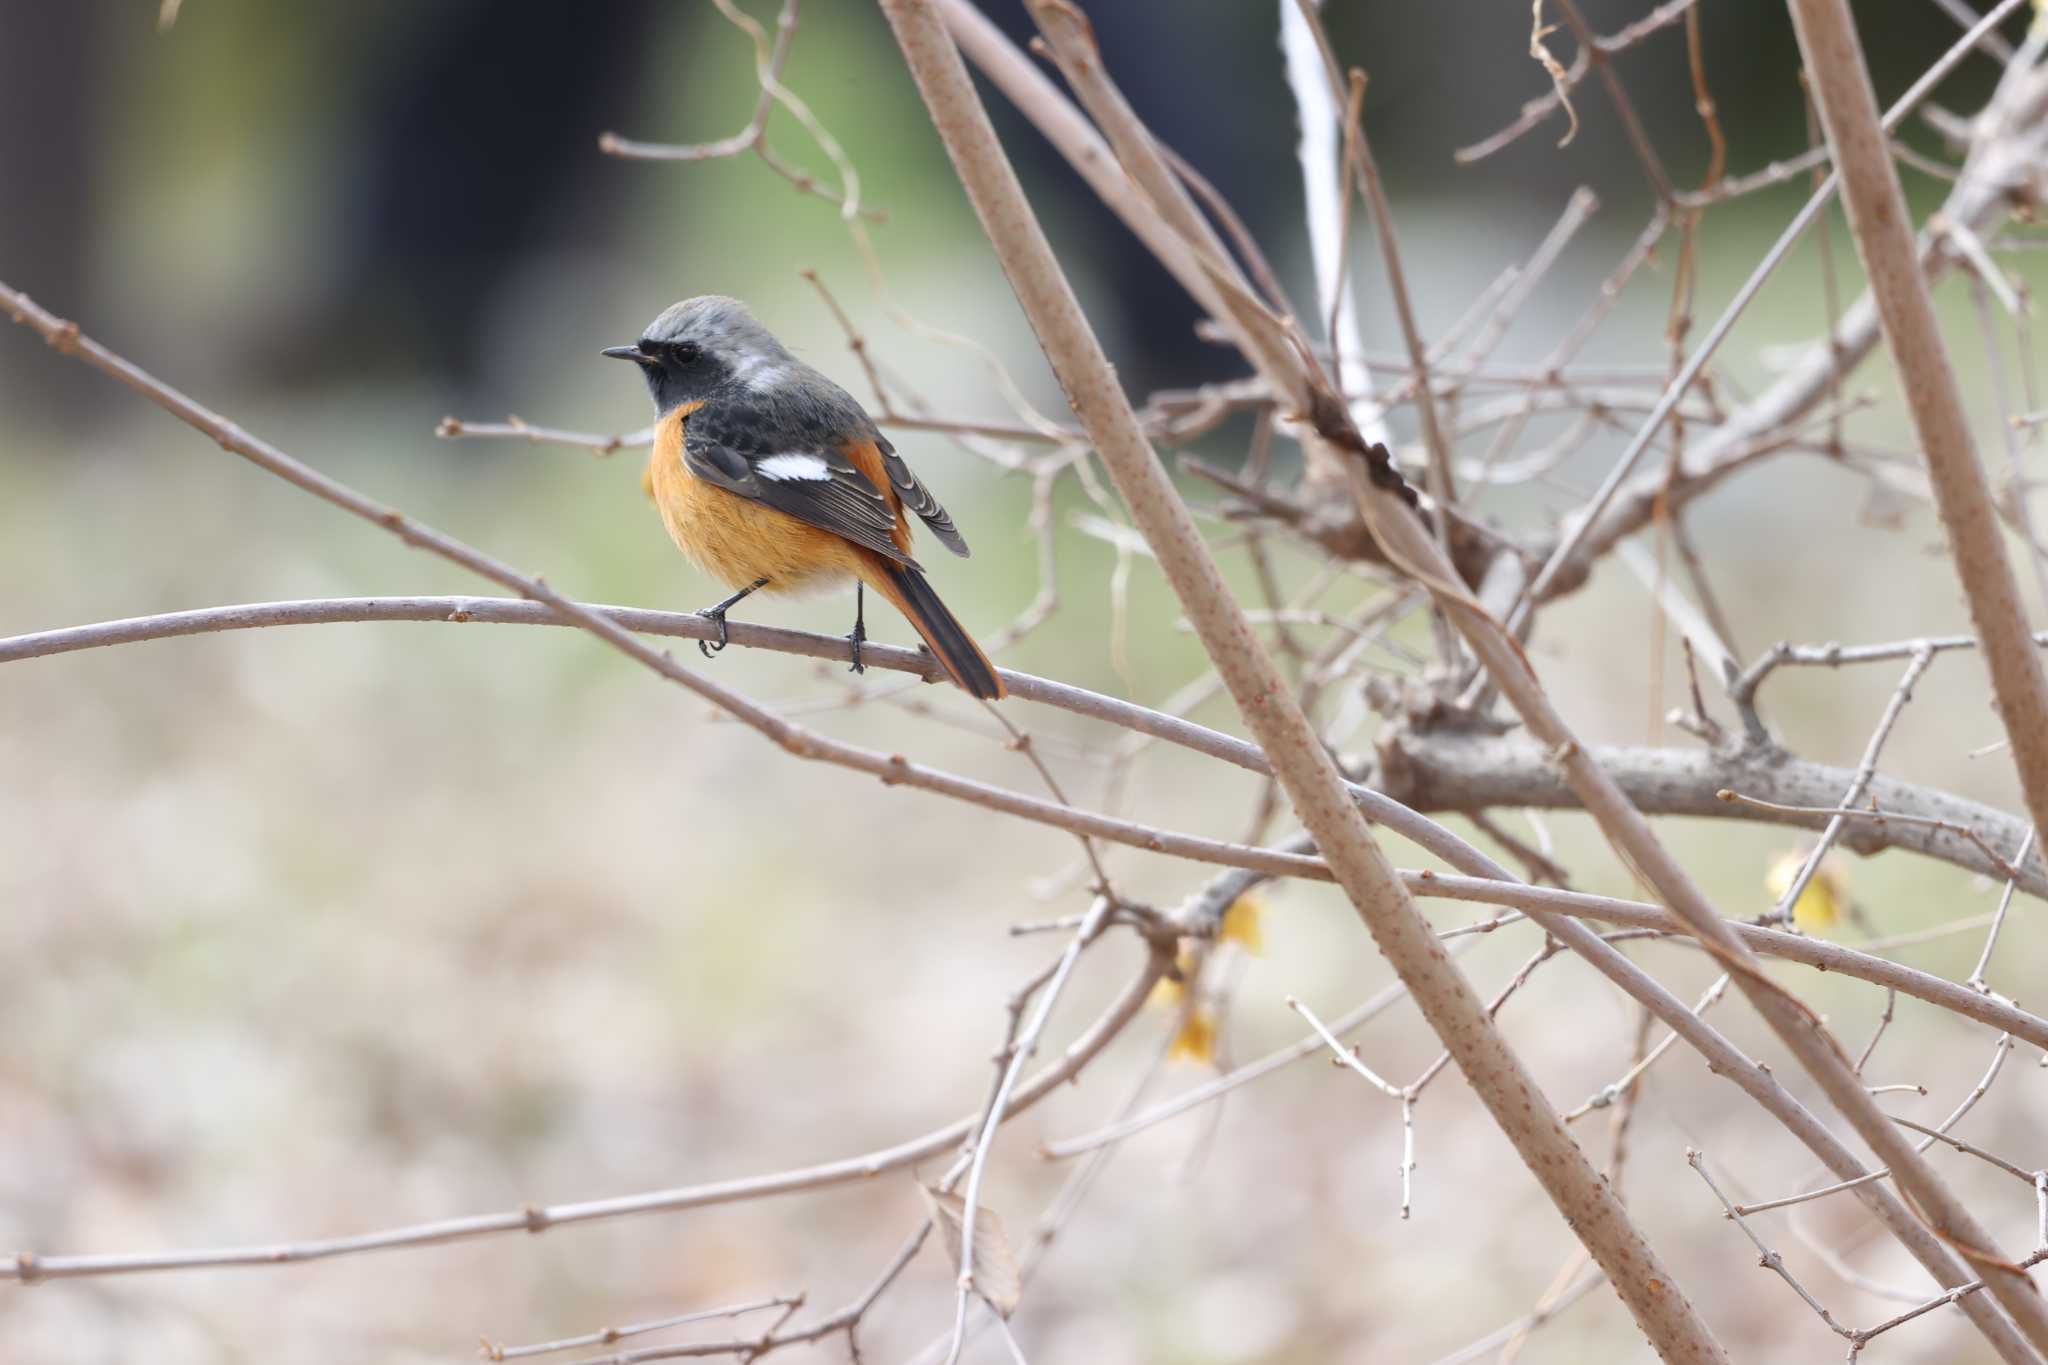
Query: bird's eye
(670, 352)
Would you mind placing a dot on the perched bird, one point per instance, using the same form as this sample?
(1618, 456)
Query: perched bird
(771, 477)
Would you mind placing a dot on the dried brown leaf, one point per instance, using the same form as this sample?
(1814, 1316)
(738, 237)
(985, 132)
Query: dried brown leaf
(1560, 80)
(996, 1277)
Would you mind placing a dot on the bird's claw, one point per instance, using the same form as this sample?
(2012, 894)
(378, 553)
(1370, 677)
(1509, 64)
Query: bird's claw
(705, 646)
(853, 643)
(717, 613)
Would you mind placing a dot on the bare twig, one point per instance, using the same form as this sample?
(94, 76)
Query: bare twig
(1622, 1086)
(1021, 1048)
(1865, 770)
(518, 429)
(1404, 1094)
(605, 1336)
(1817, 953)
(1441, 486)
(1998, 918)
(1600, 49)
(1598, 525)
(1769, 1259)
(1742, 691)
(769, 57)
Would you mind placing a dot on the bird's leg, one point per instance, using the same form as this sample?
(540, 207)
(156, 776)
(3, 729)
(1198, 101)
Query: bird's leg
(860, 626)
(717, 614)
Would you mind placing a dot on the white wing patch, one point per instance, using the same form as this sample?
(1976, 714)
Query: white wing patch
(786, 468)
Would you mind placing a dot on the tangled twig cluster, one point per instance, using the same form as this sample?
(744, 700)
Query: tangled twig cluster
(1469, 729)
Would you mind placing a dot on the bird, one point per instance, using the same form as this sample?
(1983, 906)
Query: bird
(772, 478)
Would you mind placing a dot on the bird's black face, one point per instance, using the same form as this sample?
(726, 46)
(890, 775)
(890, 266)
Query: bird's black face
(677, 372)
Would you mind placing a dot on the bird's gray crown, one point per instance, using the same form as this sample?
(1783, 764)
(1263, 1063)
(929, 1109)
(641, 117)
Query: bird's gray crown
(721, 326)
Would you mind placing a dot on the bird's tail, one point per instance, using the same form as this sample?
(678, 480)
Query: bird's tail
(909, 593)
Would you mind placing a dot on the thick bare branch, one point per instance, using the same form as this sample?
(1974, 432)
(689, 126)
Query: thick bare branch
(1441, 770)
(1882, 227)
(1407, 544)
(1313, 785)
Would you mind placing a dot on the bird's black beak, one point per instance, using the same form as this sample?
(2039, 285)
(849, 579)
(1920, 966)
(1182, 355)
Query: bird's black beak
(633, 353)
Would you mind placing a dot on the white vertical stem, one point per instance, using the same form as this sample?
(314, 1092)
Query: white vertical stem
(1322, 185)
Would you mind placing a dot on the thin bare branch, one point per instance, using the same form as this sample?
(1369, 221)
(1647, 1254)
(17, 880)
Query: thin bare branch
(518, 429)
(605, 1336)
(536, 1218)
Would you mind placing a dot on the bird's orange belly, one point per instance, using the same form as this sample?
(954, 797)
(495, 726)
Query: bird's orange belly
(737, 540)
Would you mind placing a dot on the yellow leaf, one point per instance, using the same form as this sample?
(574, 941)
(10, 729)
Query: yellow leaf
(1196, 1041)
(1169, 991)
(1819, 906)
(1243, 924)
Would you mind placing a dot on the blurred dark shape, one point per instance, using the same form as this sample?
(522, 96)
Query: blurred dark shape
(467, 142)
(1214, 92)
(1447, 75)
(51, 135)
(1440, 76)
(475, 150)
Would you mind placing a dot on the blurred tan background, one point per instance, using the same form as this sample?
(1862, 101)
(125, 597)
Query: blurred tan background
(314, 931)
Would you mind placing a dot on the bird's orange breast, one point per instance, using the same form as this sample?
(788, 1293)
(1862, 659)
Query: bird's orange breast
(735, 539)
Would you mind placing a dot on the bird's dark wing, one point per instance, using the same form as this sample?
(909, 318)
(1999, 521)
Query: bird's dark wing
(919, 499)
(808, 477)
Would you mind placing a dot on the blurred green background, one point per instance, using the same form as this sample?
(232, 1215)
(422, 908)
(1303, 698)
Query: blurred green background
(313, 931)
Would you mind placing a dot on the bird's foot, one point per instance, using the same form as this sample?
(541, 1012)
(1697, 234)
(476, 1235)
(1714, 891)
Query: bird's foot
(854, 641)
(716, 614)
